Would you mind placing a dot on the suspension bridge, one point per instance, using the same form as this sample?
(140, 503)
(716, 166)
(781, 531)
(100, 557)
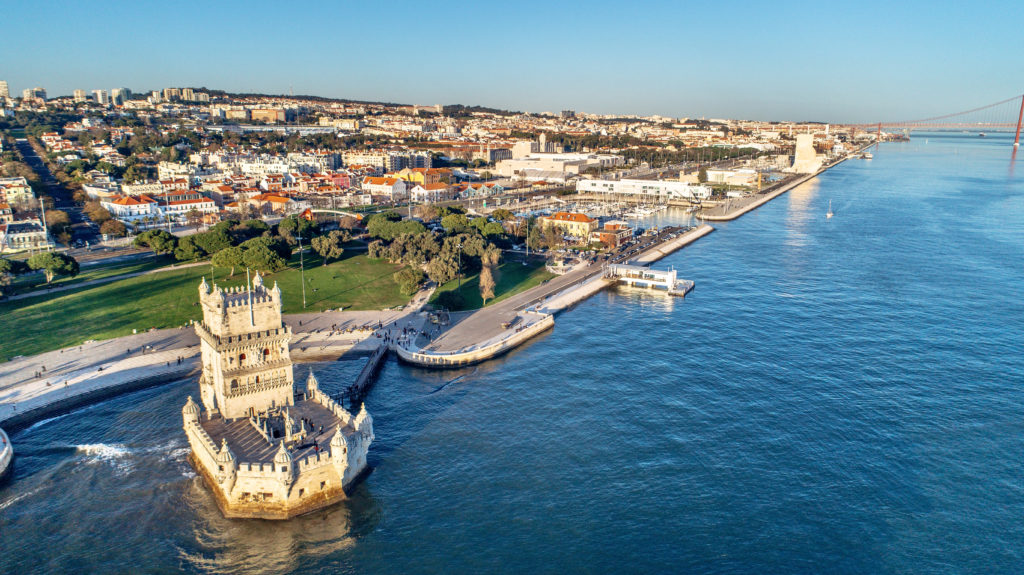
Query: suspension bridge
(1004, 115)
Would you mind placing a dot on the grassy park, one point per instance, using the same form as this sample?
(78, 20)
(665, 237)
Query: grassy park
(37, 282)
(512, 278)
(170, 299)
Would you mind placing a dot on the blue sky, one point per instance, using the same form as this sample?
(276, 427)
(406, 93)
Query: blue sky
(830, 61)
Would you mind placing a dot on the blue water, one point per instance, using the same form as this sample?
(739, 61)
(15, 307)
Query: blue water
(842, 396)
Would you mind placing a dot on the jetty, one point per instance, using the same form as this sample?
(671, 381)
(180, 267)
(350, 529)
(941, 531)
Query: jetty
(645, 277)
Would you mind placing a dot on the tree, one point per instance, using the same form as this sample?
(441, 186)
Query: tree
(455, 223)
(702, 175)
(114, 228)
(443, 267)
(348, 223)
(294, 226)
(188, 249)
(96, 212)
(274, 244)
(409, 279)
(493, 229)
(230, 257)
(488, 282)
(502, 215)
(194, 217)
(329, 246)
(9, 269)
(214, 240)
(160, 241)
(54, 264)
(427, 212)
(262, 258)
(57, 221)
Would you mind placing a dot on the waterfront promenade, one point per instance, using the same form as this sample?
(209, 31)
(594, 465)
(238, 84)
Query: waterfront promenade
(736, 207)
(480, 335)
(34, 387)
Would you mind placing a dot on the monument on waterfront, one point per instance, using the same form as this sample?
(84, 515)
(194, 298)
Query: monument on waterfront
(264, 449)
(805, 157)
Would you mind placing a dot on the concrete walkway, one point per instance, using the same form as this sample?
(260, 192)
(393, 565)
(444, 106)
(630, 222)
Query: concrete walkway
(60, 379)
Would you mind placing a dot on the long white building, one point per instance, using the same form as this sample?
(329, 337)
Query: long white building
(653, 189)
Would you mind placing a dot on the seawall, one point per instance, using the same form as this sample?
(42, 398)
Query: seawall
(51, 406)
(490, 350)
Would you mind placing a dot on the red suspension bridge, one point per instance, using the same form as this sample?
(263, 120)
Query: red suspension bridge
(1007, 114)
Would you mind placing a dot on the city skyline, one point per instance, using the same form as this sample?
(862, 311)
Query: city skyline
(790, 62)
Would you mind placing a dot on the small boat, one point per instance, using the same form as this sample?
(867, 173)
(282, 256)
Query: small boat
(866, 156)
(829, 213)
(981, 135)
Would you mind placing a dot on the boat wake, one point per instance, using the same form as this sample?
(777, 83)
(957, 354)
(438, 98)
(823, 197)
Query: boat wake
(45, 421)
(116, 455)
(454, 380)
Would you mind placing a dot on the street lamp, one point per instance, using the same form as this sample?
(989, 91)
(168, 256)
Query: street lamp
(302, 273)
(460, 266)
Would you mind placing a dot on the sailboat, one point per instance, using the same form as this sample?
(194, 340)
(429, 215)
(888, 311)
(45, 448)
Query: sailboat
(829, 213)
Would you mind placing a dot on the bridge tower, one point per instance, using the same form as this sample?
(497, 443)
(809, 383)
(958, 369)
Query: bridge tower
(1020, 116)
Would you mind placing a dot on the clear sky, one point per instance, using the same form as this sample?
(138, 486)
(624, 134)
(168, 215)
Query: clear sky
(830, 61)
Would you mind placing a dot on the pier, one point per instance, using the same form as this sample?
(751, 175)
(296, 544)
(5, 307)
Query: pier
(645, 277)
(358, 390)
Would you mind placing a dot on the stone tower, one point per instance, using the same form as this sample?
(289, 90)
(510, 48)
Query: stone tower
(246, 364)
(264, 450)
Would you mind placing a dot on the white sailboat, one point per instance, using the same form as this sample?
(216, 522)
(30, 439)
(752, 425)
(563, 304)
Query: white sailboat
(829, 213)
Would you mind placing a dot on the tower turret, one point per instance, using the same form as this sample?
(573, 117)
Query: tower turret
(225, 472)
(339, 452)
(190, 412)
(283, 463)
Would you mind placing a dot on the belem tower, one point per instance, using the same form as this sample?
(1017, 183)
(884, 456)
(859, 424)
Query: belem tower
(265, 450)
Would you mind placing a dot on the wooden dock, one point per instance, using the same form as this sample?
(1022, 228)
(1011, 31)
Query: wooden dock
(358, 390)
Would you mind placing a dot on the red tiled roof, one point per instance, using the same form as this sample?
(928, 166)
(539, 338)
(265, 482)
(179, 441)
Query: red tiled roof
(571, 217)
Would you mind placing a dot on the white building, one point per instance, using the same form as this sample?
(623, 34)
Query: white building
(131, 208)
(392, 188)
(566, 164)
(430, 193)
(656, 190)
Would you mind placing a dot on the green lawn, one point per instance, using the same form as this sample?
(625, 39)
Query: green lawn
(513, 277)
(37, 281)
(170, 299)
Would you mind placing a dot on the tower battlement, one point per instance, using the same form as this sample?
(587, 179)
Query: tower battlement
(237, 310)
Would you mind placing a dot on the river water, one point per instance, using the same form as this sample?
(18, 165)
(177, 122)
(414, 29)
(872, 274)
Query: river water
(841, 395)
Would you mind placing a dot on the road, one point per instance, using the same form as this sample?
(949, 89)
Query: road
(81, 227)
